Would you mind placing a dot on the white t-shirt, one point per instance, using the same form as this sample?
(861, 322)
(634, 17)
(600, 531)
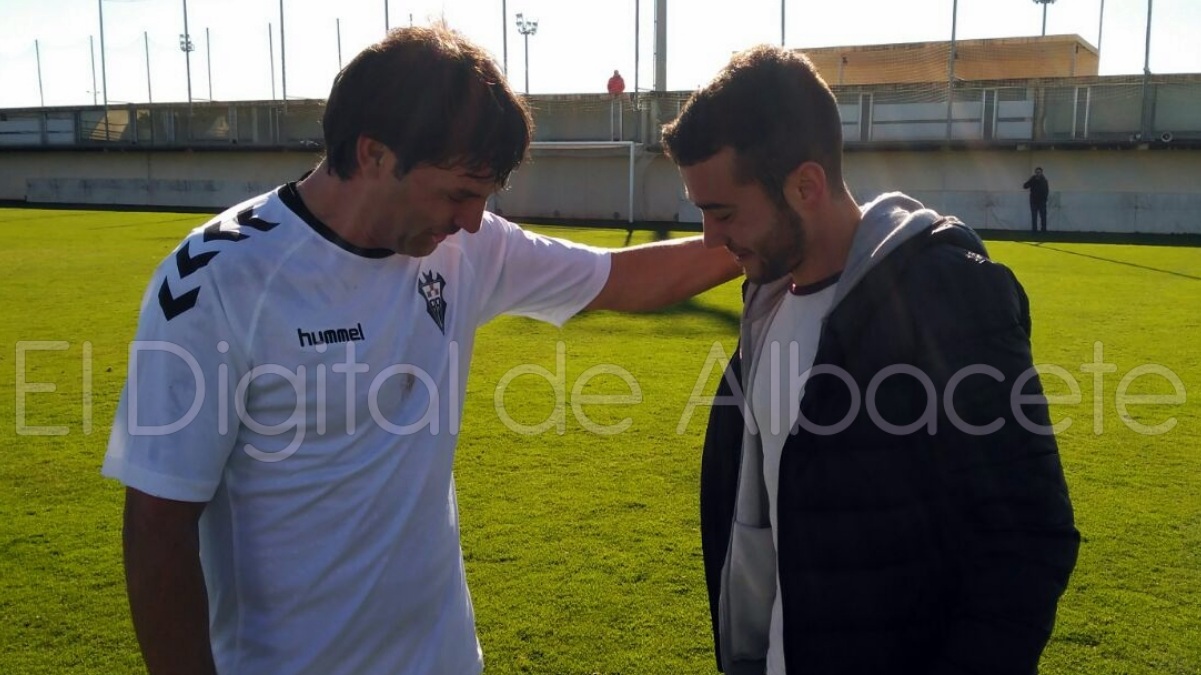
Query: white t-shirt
(311, 392)
(780, 371)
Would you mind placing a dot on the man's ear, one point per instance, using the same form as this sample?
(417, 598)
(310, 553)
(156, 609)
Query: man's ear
(805, 188)
(370, 155)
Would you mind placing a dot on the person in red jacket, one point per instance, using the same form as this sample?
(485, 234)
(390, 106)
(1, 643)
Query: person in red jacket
(617, 85)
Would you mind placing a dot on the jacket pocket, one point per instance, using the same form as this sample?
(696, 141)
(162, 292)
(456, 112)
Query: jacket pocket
(750, 591)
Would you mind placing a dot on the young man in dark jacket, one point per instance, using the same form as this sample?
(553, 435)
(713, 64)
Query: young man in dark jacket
(1040, 191)
(881, 492)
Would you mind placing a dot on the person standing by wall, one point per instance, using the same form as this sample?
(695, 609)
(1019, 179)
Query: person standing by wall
(1039, 191)
(617, 85)
(617, 90)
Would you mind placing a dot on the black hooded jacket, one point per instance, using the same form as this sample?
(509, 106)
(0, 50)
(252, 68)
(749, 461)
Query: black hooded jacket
(942, 548)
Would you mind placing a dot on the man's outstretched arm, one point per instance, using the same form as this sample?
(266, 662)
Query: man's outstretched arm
(166, 588)
(653, 276)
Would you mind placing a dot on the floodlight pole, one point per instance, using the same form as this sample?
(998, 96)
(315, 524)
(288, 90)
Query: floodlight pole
(1147, 53)
(103, 69)
(782, 2)
(951, 69)
(1044, 3)
(146, 43)
(338, 27)
(208, 56)
(660, 81)
(504, 34)
(1146, 121)
(387, 23)
(637, 46)
(283, 56)
(38, 53)
(527, 28)
(1100, 29)
(185, 45)
(271, 53)
(92, 51)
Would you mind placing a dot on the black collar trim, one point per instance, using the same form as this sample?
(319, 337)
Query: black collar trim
(290, 196)
(815, 287)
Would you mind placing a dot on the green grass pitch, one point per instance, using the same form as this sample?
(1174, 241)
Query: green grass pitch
(582, 549)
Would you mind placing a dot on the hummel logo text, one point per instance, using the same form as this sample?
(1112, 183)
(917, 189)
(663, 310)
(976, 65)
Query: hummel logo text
(331, 336)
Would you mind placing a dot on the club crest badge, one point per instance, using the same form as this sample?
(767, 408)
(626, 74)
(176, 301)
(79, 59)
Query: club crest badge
(430, 285)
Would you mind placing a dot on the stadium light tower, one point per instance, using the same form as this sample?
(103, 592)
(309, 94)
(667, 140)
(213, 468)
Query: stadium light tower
(186, 46)
(1044, 3)
(527, 27)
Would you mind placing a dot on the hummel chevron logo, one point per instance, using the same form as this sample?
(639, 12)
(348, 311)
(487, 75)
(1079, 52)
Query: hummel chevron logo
(186, 263)
(215, 233)
(173, 306)
(248, 219)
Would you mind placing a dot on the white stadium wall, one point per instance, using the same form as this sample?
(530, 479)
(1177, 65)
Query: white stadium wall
(1146, 191)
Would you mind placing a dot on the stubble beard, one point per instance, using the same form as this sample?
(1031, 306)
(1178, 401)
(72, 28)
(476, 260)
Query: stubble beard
(783, 250)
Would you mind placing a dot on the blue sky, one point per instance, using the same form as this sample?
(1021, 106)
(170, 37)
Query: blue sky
(578, 44)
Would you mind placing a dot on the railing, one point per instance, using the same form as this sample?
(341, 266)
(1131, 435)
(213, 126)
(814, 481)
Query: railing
(1063, 111)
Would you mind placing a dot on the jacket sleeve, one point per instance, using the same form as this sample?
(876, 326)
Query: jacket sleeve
(1027, 184)
(996, 464)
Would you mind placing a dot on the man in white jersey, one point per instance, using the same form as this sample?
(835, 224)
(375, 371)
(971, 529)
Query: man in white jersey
(288, 427)
(880, 488)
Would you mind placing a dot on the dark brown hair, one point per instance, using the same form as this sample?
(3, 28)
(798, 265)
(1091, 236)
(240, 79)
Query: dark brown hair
(433, 97)
(770, 105)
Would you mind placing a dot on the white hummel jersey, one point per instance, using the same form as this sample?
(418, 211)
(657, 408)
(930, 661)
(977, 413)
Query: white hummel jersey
(310, 392)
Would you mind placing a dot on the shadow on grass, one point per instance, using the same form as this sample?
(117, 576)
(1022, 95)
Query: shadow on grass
(1148, 268)
(1125, 238)
(690, 307)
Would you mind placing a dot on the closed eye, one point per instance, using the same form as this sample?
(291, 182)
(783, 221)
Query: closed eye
(464, 196)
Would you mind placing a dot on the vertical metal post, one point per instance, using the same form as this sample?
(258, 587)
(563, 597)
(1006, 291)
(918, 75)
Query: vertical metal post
(387, 24)
(208, 55)
(1075, 108)
(504, 34)
(338, 26)
(660, 45)
(38, 52)
(1088, 108)
(92, 51)
(271, 50)
(103, 69)
(1146, 121)
(630, 197)
(1044, 19)
(146, 43)
(1100, 29)
(951, 69)
(782, 2)
(637, 47)
(526, 27)
(187, 53)
(283, 56)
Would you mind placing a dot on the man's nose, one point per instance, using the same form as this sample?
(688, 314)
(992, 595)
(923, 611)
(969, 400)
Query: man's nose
(469, 219)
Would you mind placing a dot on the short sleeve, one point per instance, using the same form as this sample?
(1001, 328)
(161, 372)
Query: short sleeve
(175, 426)
(536, 276)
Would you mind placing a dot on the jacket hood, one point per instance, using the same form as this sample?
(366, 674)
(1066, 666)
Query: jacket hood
(888, 221)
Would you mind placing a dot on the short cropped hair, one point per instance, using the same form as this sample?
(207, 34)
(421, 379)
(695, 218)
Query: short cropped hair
(772, 107)
(432, 97)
